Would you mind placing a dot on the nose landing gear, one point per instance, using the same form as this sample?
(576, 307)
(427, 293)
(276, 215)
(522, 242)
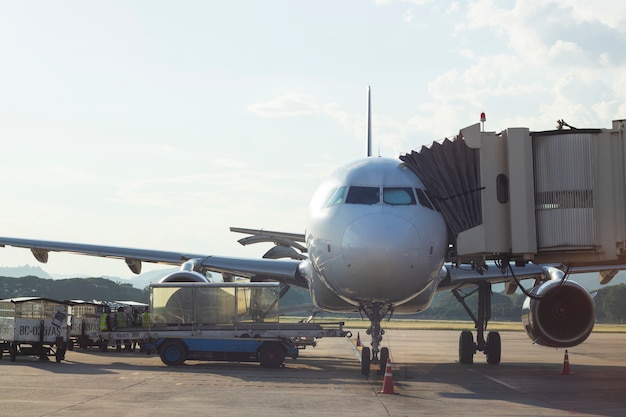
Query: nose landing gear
(375, 313)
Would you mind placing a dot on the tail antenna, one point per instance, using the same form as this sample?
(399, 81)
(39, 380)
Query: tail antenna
(369, 122)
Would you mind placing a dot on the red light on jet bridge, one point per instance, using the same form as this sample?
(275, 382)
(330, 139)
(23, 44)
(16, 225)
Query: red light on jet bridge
(482, 117)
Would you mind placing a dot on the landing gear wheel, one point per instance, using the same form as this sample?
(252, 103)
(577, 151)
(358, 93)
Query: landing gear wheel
(467, 348)
(493, 349)
(173, 353)
(384, 355)
(365, 361)
(271, 355)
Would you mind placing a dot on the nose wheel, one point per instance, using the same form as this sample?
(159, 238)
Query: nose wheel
(375, 312)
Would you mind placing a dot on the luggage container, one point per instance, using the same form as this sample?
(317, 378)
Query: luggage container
(85, 318)
(34, 326)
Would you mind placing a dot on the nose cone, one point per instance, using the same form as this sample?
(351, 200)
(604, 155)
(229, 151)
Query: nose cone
(381, 255)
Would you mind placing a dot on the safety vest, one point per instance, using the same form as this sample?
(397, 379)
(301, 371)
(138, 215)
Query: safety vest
(103, 321)
(121, 319)
(145, 319)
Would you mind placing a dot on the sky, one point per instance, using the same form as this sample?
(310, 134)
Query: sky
(160, 124)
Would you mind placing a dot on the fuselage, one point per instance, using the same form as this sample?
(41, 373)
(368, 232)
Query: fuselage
(373, 236)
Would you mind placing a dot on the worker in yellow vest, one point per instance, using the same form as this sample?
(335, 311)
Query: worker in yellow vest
(120, 321)
(105, 320)
(145, 317)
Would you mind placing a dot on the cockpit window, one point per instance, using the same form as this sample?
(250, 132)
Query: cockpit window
(423, 199)
(336, 197)
(398, 196)
(363, 195)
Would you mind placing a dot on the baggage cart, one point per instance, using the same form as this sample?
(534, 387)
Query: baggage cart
(34, 326)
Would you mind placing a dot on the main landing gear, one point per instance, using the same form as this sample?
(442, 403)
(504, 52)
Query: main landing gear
(375, 312)
(492, 346)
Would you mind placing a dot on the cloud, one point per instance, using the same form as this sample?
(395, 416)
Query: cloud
(558, 59)
(287, 105)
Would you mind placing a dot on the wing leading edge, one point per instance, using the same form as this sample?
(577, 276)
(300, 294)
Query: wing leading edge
(281, 270)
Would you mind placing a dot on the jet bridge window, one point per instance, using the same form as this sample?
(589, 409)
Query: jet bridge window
(363, 195)
(398, 196)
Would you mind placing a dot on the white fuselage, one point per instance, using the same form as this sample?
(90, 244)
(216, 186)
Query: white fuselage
(373, 236)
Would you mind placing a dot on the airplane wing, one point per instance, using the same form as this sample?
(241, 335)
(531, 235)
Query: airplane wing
(281, 270)
(457, 276)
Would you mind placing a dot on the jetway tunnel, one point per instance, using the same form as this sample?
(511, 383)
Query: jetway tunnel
(549, 197)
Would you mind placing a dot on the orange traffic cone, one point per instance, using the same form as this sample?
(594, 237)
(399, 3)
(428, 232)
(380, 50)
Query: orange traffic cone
(566, 370)
(388, 380)
(358, 339)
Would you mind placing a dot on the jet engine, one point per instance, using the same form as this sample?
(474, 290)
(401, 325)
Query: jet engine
(184, 276)
(558, 314)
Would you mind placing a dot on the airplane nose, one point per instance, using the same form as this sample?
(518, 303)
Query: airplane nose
(381, 253)
(381, 232)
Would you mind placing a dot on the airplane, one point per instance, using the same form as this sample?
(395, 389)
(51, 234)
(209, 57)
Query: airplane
(376, 243)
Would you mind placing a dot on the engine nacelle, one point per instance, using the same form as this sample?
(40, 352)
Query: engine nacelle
(560, 314)
(184, 276)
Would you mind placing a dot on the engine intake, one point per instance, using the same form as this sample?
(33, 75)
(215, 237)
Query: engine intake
(560, 314)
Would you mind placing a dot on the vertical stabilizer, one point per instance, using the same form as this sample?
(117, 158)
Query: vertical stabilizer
(369, 122)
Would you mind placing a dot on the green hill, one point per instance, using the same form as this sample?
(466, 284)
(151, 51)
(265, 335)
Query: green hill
(70, 289)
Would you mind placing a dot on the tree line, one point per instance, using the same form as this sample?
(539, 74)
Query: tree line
(610, 301)
(87, 289)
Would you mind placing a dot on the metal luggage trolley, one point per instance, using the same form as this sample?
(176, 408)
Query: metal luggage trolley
(34, 326)
(85, 318)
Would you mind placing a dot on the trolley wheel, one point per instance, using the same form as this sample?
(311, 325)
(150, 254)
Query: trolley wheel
(59, 355)
(103, 345)
(365, 361)
(13, 351)
(173, 353)
(384, 355)
(271, 355)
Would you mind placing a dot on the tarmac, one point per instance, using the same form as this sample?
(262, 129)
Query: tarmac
(326, 381)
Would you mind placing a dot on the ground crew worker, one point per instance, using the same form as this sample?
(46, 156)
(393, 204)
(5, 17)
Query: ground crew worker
(105, 320)
(145, 317)
(121, 321)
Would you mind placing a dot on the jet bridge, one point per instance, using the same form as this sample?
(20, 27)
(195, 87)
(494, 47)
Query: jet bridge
(547, 197)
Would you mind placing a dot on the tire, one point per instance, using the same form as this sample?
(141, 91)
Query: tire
(271, 355)
(103, 345)
(59, 354)
(384, 355)
(467, 349)
(13, 351)
(365, 361)
(173, 353)
(493, 349)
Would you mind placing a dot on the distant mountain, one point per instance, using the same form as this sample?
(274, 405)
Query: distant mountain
(23, 271)
(139, 281)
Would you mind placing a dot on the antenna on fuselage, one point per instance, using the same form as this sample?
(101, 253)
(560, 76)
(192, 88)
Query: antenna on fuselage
(369, 122)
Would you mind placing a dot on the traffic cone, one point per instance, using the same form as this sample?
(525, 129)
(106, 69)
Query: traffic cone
(566, 370)
(388, 380)
(358, 339)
